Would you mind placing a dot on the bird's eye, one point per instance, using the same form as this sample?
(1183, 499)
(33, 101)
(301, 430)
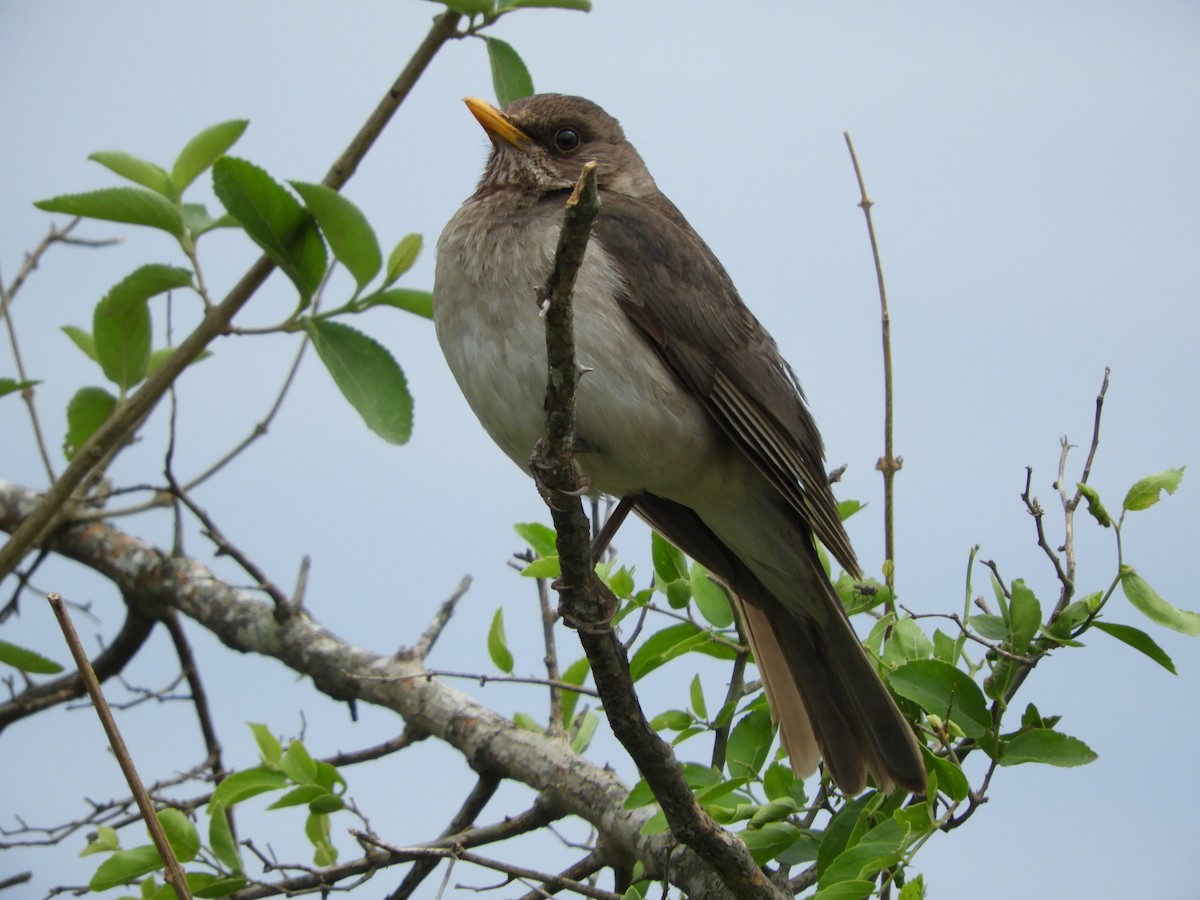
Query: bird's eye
(566, 140)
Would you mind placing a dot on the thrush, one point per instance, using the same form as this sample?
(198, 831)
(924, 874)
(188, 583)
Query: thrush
(686, 408)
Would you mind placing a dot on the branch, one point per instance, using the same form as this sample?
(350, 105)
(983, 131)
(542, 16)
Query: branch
(118, 427)
(586, 602)
(889, 464)
(244, 622)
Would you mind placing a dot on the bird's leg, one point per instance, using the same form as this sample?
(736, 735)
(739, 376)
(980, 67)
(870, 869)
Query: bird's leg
(609, 529)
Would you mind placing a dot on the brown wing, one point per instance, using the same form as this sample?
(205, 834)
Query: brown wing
(686, 305)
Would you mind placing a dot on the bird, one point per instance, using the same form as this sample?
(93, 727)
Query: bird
(685, 408)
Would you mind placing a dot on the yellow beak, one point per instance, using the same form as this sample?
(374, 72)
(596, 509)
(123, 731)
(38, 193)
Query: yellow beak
(496, 124)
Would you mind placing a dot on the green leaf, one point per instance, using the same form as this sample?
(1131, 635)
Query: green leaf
(749, 744)
(941, 689)
(159, 356)
(581, 5)
(1154, 607)
(203, 151)
(913, 890)
(1042, 745)
(768, 841)
(83, 340)
(368, 377)
(856, 889)
(246, 784)
(576, 673)
(204, 886)
(330, 778)
(268, 745)
(543, 567)
(220, 838)
(350, 236)
(1138, 640)
(1095, 507)
(669, 562)
(300, 796)
(587, 729)
(950, 777)
(540, 538)
(273, 219)
(989, 626)
(847, 508)
(710, 597)
(326, 803)
(198, 221)
(510, 77)
(121, 322)
(147, 174)
(402, 257)
(1146, 492)
(696, 694)
(880, 848)
(27, 660)
(907, 642)
(671, 720)
(497, 644)
(105, 841)
(133, 206)
(419, 303)
(181, 834)
(297, 764)
(664, 646)
(470, 7)
(125, 866)
(12, 386)
(86, 412)
(1025, 616)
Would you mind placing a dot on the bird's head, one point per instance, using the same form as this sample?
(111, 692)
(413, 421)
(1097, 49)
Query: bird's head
(540, 144)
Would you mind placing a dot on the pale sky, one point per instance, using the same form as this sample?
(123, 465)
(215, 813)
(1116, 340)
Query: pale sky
(1034, 170)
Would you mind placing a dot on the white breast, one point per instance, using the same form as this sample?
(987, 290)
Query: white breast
(641, 430)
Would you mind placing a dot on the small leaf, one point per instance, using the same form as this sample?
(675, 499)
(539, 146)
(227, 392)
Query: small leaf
(243, 785)
(300, 796)
(297, 764)
(669, 562)
(672, 720)
(83, 340)
(497, 644)
(543, 567)
(1138, 640)
(749, 744)
(1025, 616)
(1146, 492)
(575, 674)
(268, 745)
(581, 5)
(147, 174)
(696, 694)
(181, 834)
(121, 322)
(419, 303)
(12, 386)
(1041, 745)
(220, 838)
(198, 221)
(1095, 507)
(665, 645)
(273, 219)
(769, 840)
(402, 257)
(27, 660)
(941, 689)
(587, 729)
(540, 538)
(368, 377)
(710, 597)
(847, 508)
(907, 642)
(1154, 607)
(86, 412)
(105, 841)
(204, 150)
(133, 206)
(350, 236)
(125, 866)
(510, 77)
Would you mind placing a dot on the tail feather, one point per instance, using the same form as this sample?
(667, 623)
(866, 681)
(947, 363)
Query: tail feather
(823, 691)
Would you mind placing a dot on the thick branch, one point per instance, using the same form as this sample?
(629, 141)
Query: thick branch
(244, 622)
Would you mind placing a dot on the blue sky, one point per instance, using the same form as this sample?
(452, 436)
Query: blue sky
(1033, 167)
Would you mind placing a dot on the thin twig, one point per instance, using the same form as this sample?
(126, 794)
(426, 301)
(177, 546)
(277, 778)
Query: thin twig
(172, 872)
(889, 464)
(421, 649)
